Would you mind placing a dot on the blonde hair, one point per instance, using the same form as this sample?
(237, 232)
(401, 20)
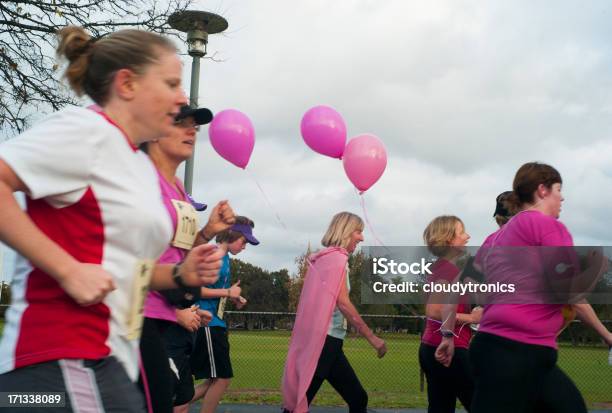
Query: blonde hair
(341, 228)
(93, 63)
(439, 234)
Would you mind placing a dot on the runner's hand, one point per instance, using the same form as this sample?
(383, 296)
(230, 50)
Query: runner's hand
(379, 345)
(239, 302)
(205, 317)
(235, 290)
(476, 315)
(189, 318)
(221, 218)
(445, 351)
(87, 284)
(201, 266)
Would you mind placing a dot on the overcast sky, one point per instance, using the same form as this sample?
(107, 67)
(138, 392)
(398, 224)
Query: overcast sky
(461, 93)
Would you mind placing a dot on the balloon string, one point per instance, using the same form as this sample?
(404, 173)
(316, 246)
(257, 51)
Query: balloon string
(263, 193)
(278, 218)
(444, 322)
(368, 223)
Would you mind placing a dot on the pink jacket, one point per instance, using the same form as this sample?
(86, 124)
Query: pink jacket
(317, 302)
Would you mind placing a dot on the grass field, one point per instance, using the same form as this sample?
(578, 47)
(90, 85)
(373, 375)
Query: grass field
(258, 358)
(394, 381)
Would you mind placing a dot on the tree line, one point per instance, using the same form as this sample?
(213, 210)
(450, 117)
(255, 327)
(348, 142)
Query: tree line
(279, 291)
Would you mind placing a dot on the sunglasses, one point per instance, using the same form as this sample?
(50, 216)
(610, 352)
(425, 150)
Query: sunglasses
(187, 123)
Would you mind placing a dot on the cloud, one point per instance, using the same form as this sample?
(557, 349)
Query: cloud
(301, 190)
(430, 79)
(461, 92)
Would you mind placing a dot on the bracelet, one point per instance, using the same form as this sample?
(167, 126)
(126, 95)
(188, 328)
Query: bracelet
(206, 239)
(229, 295)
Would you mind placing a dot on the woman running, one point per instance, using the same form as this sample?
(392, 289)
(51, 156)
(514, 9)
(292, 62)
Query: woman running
(446, 238)
(315, 352)
(210, 359)
(514, 354)
(171, 316)
(94, 225)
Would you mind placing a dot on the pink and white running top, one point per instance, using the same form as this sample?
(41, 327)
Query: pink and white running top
(156, 306)
(98, 198)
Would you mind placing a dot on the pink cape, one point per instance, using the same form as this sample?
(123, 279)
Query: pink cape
(317, 302)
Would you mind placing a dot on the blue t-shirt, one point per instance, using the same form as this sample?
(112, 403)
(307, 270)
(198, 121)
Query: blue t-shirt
(212, 304)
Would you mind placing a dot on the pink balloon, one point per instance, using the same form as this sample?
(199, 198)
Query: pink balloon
(324, 131)
(232, 136)
(364, 161)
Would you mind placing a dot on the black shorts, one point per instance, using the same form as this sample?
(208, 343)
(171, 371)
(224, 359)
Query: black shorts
(179, 344)
(211, 354)
(89, 385)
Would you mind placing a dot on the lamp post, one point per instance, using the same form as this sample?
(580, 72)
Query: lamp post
(198, 25)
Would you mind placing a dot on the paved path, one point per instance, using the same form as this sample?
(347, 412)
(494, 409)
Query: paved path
(252, 408)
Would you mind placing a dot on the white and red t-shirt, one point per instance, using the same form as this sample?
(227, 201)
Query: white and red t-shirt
(98, 197)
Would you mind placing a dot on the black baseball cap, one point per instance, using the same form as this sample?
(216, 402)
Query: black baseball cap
(201, 116)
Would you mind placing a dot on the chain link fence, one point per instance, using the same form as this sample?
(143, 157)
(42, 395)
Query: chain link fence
(259, 343)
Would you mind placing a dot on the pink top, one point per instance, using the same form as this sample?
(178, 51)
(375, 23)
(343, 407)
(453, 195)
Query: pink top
(156, 306)
(317, 302)
(526, 323)
(444, 270)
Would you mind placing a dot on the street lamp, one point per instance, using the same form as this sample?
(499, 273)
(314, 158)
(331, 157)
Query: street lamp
(198, 25)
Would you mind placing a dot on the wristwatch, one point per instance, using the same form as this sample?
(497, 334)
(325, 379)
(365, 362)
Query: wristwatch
(176, 276)
(447, 333)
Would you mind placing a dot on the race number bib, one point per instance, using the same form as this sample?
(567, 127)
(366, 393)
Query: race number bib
(186, 225)
(142, 276)
(221, 310)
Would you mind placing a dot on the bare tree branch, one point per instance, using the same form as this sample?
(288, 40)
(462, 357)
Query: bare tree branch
(29, 79)
(27, 26)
